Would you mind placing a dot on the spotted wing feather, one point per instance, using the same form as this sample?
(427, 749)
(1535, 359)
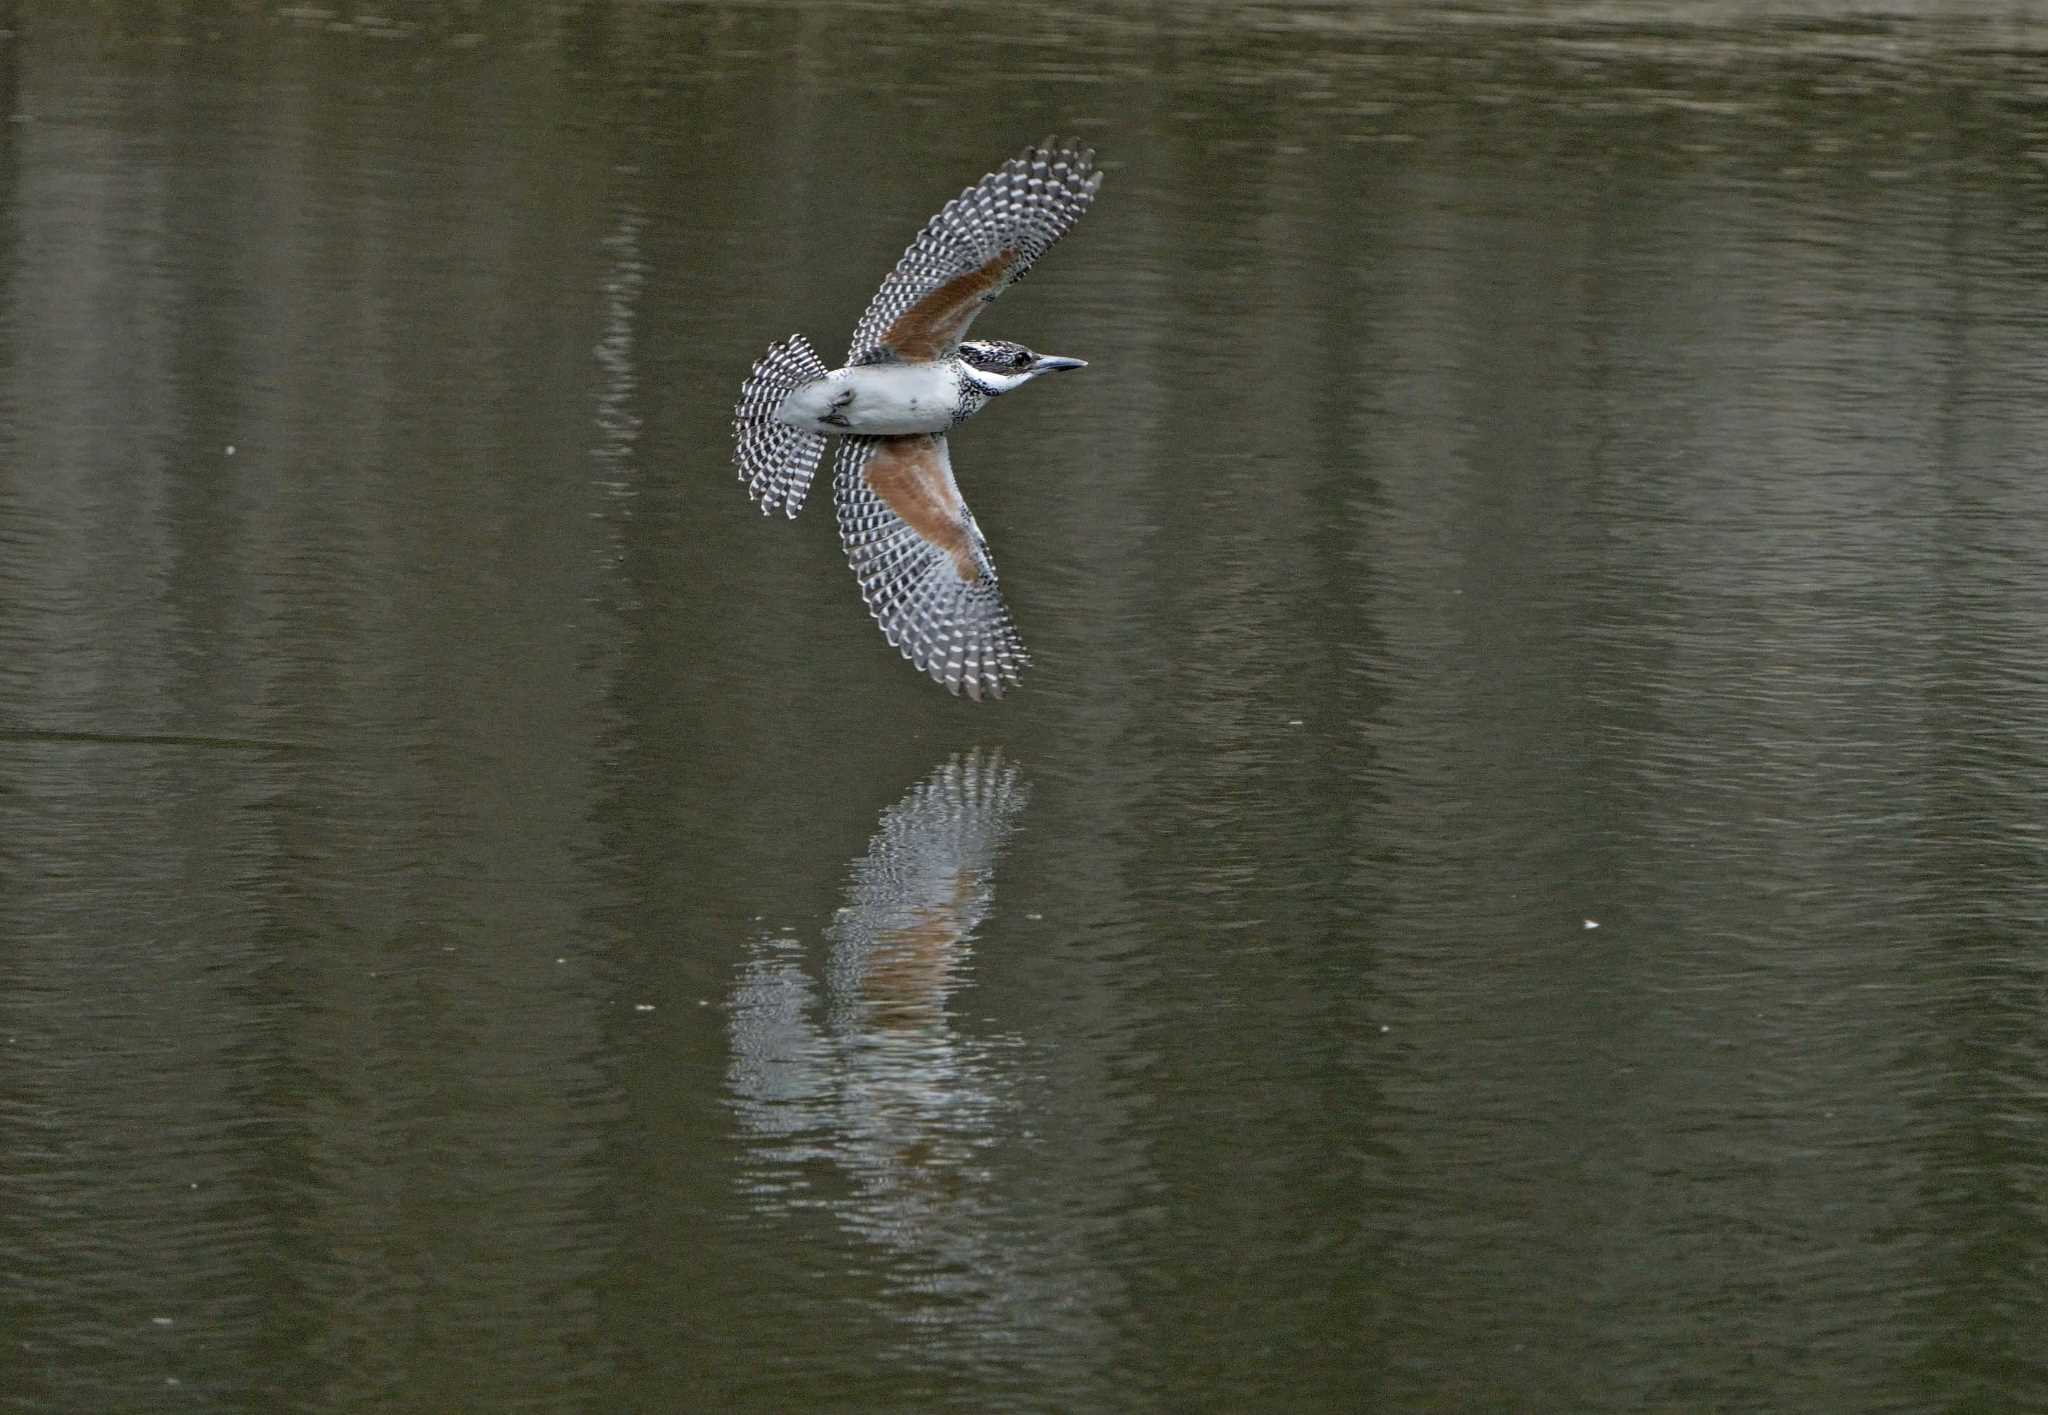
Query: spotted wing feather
(922, 563)
(775, 460)
(982, 241)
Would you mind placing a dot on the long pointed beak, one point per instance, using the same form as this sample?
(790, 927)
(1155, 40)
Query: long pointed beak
(1053, 363)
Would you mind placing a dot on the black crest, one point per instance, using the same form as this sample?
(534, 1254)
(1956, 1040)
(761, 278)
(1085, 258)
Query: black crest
(996, 355)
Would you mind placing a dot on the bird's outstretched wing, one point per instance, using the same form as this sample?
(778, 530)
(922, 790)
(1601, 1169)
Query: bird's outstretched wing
(923, 566)
(970, 252)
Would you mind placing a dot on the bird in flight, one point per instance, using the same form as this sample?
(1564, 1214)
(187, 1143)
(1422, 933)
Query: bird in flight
(911, 376)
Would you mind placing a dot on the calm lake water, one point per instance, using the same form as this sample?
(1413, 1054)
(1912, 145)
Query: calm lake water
(1518, 880)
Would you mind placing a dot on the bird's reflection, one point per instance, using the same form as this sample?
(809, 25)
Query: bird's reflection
(871, 1074)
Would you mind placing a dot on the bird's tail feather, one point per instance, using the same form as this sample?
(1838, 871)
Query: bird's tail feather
(775, 460)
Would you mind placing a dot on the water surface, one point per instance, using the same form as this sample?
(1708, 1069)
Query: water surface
(1516, 880)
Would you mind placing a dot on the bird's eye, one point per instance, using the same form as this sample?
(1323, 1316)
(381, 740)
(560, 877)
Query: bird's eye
(1021, 358)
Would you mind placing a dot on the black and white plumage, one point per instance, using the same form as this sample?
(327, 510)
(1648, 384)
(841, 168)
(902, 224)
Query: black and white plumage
(922, 562)
(911, 375)
(778, 460)
(979, 244)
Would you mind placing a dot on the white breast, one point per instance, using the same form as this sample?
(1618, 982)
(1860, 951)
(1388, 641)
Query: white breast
(886, 399)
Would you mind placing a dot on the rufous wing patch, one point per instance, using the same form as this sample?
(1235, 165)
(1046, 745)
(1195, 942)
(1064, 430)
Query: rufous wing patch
(934, 325)
(909, 475)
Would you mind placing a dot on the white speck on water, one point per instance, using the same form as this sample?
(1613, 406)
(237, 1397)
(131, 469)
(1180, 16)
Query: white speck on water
(1034, 917)
(1592, 923)
(643, 1007)
(561, 960)
(159, 1321)
(1384, 1029)
(229, 450)
(1294, 722)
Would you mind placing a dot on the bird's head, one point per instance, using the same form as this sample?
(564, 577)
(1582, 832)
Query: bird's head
(998, 365)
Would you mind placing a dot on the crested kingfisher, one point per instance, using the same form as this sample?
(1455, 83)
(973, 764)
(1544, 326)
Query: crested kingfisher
(911, 377)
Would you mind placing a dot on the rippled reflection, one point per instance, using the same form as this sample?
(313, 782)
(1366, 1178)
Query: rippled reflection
(869, 1072)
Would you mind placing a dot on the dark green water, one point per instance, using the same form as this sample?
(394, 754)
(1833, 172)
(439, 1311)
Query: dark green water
(487, 924)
